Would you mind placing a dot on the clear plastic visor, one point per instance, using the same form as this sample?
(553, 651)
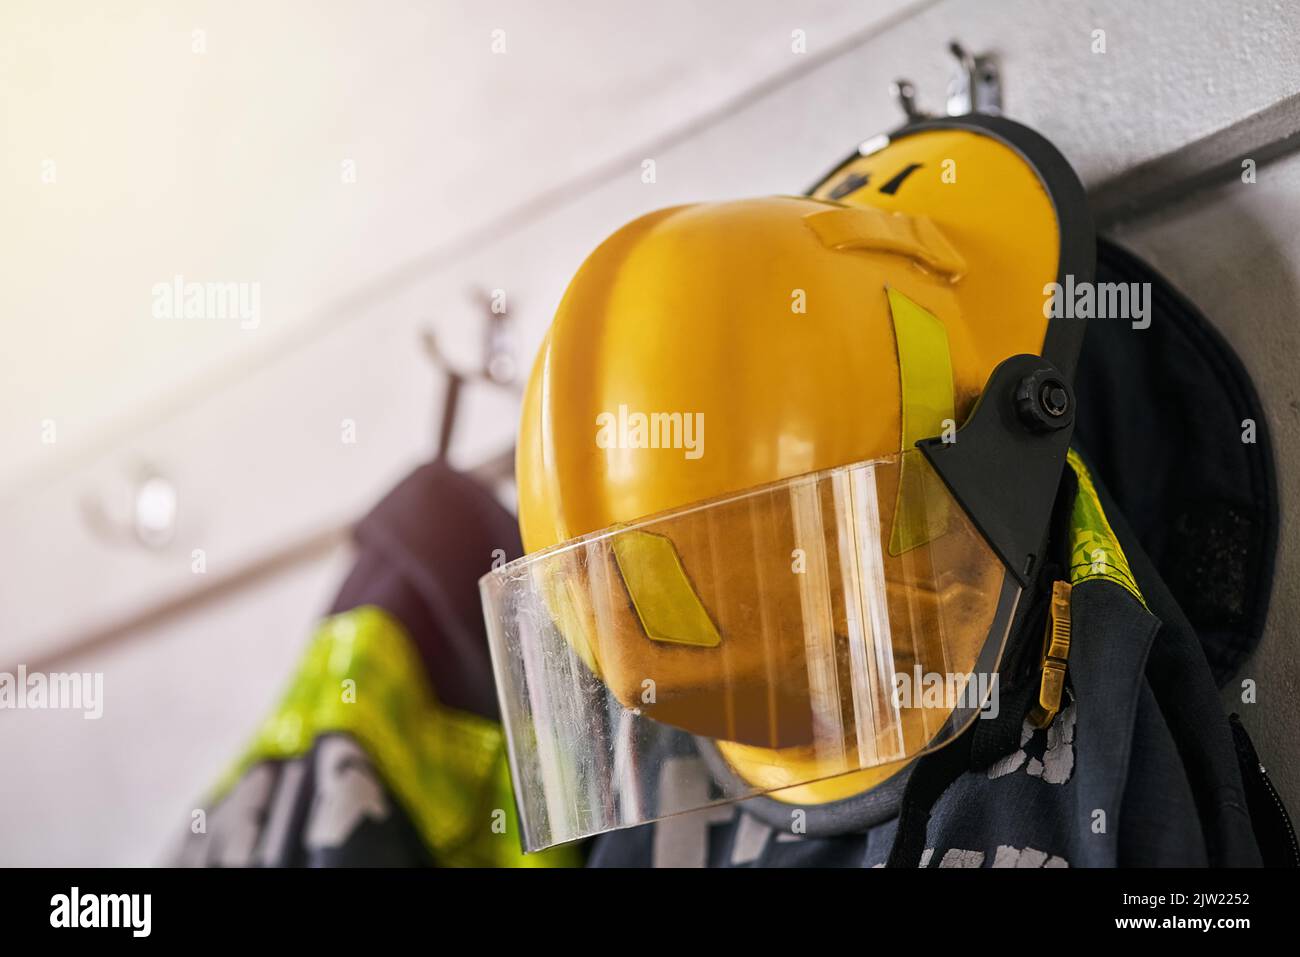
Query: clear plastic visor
(828, 624)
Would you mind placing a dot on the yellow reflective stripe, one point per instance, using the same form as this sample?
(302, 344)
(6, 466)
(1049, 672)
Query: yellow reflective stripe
(928, 401)
(361, 676)
(1094, 548)
(662, 594)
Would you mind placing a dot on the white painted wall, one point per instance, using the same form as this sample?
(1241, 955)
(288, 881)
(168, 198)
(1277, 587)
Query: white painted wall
(227, 163)
(181, 702)
(472, 170)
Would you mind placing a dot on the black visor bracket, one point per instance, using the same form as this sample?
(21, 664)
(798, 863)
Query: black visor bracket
(1003, 466)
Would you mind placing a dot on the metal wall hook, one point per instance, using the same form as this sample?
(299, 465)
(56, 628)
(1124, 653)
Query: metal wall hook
(904, 93)
(975, 87)
(499, 368)
(499, 365)
(143, 512)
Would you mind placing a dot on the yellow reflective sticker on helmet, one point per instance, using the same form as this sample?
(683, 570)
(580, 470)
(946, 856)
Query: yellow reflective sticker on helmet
(928, 402)
(664, 598)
